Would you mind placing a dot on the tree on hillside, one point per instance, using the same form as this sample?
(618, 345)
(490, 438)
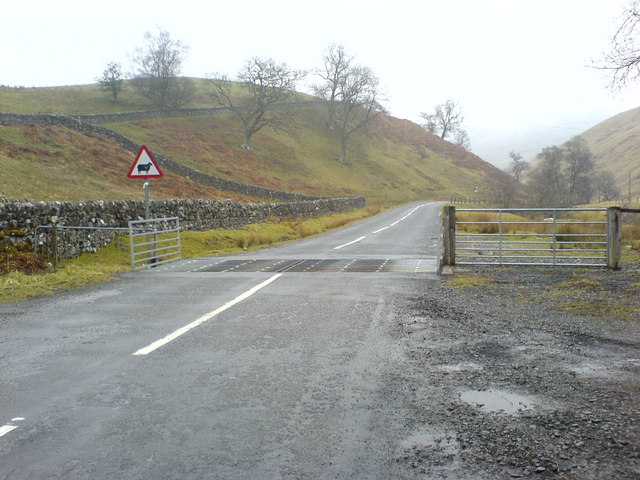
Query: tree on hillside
(334, 72)
(605, 186)
(462, 139)
(351, 94)
(445, 121)
(259, 95)
(562, 175)
(157, 67)
(545, 179)
(623, 60)
(517, 165)
(579, 165)
(358, 106)
(111, 80)
(181, 90)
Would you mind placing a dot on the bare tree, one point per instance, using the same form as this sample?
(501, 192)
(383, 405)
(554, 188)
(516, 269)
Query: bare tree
(157, 68)
(337, 65)
(545, 179)
(111, 80)
(430, 125)
(579, 164)
(351, 93)
(181, 91)
(517, 166)
(462, 139)
(623, 60)
(562, 175)
(605, 186)
(358, 105)
(446, 119)
(265, 87)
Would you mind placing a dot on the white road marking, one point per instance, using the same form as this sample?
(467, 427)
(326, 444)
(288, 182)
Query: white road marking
(181, 331)
(398, 221)
(351, 243)
(8, 428)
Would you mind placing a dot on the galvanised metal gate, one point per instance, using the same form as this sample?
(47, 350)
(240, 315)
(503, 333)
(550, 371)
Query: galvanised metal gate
(154, 242)
(534, 236)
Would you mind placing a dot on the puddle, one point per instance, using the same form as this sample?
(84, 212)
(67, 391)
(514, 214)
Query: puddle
(494, 401)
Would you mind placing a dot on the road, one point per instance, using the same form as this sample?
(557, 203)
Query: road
(272, 364)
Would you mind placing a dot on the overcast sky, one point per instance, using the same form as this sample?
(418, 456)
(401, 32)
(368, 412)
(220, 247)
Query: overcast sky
(518, 68)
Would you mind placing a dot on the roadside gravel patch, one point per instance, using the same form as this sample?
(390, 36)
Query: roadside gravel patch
(510, 375)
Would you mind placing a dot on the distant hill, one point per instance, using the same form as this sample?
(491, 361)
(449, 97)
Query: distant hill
(615, 144)
(394, 161)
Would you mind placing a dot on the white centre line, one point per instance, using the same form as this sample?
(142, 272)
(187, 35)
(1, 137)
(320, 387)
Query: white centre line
(181, 331)
(8, 428)
(351, 243)
(380, 230)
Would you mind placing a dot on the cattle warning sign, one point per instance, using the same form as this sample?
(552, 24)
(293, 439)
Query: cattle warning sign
(144, 166)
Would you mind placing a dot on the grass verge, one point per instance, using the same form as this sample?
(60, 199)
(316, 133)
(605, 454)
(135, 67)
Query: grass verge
(595, 293)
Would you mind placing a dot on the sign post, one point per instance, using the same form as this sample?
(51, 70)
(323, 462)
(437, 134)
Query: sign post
(145, 166)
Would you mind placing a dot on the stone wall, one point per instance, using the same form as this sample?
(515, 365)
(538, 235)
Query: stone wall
(165, 162)
(19, 221)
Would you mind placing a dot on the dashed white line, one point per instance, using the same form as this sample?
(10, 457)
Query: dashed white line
(398, 221)
(351, 243)
(181, 331)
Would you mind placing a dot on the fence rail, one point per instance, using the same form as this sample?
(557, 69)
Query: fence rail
(532, 236)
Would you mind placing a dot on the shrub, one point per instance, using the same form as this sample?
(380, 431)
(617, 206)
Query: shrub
(24, 262)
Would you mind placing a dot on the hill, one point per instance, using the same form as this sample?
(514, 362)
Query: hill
(615, 144)
(395, 161)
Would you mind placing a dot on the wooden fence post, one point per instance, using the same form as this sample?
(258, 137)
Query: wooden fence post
(449, 235)
(54, 246)
(614, 237)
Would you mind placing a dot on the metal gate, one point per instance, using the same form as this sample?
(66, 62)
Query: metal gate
(154, 242)
(536, 236)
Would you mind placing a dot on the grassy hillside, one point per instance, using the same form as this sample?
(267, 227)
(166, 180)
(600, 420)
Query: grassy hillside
(54, 163)
(615, 144)
(395, 161)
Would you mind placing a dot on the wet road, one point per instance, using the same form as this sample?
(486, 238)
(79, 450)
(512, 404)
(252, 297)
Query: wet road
(273, 364)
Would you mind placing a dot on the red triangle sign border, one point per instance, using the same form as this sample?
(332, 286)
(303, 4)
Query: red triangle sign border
(142, 170)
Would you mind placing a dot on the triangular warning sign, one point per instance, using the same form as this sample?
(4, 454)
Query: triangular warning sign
(144, 166)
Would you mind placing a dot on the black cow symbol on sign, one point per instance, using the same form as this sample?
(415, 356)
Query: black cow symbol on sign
(144, 167)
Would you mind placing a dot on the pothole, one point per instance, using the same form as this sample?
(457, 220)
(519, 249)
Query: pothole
(494, 401)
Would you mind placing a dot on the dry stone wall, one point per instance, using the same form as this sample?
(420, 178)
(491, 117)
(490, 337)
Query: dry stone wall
(20, 221)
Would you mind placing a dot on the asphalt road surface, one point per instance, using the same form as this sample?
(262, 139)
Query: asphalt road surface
(268, 365)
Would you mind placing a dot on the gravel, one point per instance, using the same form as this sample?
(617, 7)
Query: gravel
(510, 376)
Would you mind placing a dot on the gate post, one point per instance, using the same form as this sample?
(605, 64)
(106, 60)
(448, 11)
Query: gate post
(449, 235)
(614, 237)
